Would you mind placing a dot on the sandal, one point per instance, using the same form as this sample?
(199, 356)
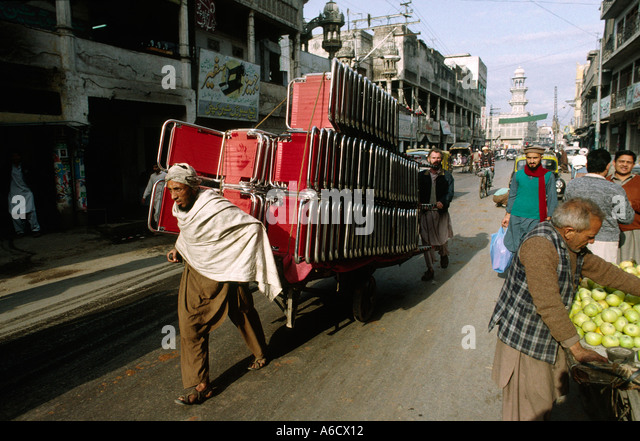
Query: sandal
(258, 364)
(200, 396)
(428, 275)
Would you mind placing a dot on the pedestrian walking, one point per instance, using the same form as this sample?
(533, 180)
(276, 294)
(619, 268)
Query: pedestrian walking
(476, 159)
(157, 175)
(532, 198)
(436, 187)
(223, 249)
(564, 161)
(579, 163)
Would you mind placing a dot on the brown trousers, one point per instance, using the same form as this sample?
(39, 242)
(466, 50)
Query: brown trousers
(529, 386)
(203, 305)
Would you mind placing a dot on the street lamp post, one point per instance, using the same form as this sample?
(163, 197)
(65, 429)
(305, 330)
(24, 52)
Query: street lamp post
(492, 112)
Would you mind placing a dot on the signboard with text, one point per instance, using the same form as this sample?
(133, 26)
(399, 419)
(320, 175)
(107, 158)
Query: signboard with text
(228, 88)
(633, 96)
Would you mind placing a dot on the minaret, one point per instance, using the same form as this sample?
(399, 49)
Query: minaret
(518, 91)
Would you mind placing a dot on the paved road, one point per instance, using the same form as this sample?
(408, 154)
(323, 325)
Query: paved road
(426, 354)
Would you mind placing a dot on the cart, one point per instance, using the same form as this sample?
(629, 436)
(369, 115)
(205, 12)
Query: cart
(610, 390)
(461, 157)
(336, 197)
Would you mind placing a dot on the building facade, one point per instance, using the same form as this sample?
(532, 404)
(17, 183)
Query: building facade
(610, 95)
(621, 58)
(441, 97)
(587, 84)
(89, 88)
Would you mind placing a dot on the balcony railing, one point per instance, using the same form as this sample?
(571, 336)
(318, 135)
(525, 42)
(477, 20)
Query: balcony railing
(629, 32)
(630, 29)
(619, 99)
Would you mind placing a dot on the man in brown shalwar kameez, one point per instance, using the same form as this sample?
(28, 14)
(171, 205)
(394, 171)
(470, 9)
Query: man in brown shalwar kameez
(224, 249)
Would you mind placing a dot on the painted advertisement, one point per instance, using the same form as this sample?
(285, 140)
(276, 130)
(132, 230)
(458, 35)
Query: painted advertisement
(80, 186)
(633, 96)
(228, 88)
(605, 108)
(62, 173)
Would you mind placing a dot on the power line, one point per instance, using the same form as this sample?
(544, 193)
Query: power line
(539, 1)
(494, 69)
(562, 18)
(431, 32)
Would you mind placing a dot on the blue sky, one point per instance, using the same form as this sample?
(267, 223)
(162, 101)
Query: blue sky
(547, 38)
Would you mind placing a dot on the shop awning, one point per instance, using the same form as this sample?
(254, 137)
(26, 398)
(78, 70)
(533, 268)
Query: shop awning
(587, 133)
(72, 124)
(433, 139)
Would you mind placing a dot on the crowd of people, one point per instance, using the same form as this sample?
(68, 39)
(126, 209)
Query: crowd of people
(554, 245)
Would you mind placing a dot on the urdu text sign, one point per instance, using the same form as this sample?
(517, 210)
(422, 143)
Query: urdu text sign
(228, 88)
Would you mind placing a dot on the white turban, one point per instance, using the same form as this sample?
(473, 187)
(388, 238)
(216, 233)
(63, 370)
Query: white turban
(184, 174)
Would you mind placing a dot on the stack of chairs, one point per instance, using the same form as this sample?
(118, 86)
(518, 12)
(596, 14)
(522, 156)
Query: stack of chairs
(331, 189)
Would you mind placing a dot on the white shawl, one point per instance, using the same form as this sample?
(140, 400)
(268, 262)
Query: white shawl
(223, 243)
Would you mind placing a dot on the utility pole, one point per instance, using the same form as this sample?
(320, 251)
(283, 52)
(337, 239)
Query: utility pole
(406, 14)
(492, 111)
(555, 124)
(598, 109)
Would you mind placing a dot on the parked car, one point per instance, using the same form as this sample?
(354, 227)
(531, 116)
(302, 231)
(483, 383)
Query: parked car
(511, 154)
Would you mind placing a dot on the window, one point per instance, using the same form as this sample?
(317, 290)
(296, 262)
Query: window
(128, 24)
(213, 45)
(237, 52)
(625, 77)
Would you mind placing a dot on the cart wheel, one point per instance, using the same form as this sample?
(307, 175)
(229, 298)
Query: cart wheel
(364, 300)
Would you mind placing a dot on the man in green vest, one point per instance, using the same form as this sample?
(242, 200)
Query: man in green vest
(532, 198)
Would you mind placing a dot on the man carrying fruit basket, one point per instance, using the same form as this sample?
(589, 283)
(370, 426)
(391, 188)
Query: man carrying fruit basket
(534, 327)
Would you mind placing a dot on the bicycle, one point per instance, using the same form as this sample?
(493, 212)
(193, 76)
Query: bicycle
(484, 182)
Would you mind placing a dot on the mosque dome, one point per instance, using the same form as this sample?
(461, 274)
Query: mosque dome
(331, 10)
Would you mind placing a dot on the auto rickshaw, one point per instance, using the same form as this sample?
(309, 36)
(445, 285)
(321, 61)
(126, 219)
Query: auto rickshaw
(421, 155)
(461, 157)
(550, 162)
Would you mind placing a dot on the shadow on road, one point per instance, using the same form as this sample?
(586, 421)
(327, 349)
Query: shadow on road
(46, 364)
(394, 296)
(53, 289)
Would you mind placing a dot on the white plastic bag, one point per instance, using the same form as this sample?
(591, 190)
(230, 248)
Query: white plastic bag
(500, 255)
